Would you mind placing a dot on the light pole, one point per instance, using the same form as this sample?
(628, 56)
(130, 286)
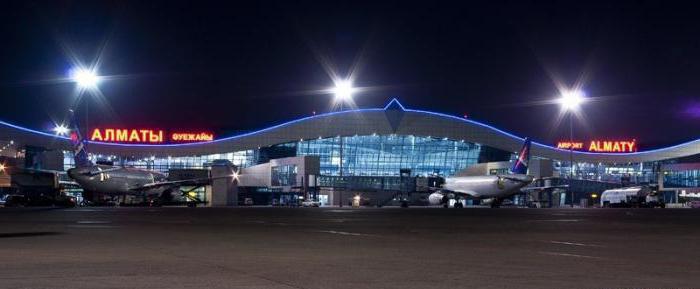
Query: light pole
(86, 79)
(570, 101)
(343, 91)
(571, 155)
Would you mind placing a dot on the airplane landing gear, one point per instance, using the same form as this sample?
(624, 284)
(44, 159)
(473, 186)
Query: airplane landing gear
(458, 204)
(496, 203)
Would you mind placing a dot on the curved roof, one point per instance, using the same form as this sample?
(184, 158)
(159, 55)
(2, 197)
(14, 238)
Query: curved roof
(392, 119)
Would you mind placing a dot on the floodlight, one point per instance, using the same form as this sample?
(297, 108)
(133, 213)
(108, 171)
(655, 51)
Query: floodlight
(343, 90)
(60, 129)
(570, 100)
(85, 78)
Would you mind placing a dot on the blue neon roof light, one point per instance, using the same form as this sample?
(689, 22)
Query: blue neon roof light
(393, 100)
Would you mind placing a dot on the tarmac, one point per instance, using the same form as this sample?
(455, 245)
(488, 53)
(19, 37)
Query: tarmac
(262, 247)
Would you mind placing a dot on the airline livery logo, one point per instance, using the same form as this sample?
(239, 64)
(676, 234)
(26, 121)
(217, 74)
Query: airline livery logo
(520, 165)
(522, 158)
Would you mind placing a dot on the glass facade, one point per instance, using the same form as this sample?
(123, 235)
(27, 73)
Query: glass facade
(283, 175)
(629, 173)
(368, 155)
(683, 178)
(241, 158)
(386, 155)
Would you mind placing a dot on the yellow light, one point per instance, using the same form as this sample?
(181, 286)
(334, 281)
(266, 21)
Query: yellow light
(594, 195)
(2, 168)
(192, 194)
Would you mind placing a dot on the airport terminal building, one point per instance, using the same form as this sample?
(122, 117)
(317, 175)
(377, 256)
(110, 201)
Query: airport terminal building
(376, 147)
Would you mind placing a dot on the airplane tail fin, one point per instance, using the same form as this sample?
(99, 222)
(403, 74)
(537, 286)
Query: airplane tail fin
(80, 153)
(520, 165)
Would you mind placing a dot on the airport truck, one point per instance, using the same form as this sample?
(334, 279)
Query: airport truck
(631, 197)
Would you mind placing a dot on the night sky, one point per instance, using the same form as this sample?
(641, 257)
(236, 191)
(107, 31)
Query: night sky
(231, 67)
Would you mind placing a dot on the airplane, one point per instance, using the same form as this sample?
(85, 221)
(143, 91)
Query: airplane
(107, 180)
(494, 187)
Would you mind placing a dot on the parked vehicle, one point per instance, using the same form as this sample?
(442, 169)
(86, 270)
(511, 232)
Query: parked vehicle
(310, 203)
(631, 197)
(15, 201)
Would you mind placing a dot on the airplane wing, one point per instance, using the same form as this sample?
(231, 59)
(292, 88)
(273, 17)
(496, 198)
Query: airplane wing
(188, 182)
(101, 171)
(543, 188)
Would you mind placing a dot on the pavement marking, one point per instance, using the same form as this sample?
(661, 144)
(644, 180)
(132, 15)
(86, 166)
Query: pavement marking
(256, 222)
(340, 211)
(560, 220)
(92, 226)
(570, 255)
(94, 222)
(574, 244)
(263, 222)
(342, 233)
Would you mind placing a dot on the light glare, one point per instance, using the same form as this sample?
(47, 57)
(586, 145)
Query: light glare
(343, 90)
(85, 78)
(60, 130)
(570, 100)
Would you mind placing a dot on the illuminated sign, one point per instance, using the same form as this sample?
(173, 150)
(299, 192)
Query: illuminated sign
(154, 136)
(202, 136)
(600, 146)
(569, 145)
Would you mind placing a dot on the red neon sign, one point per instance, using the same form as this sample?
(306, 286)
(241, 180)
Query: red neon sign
(602, 146)
(569, 145)
(154, 136)
(202, 136)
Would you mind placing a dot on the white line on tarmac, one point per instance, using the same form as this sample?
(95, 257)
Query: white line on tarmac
(92, 226)
(343, 233)
(570, 255)
(559, 220)
(93, 222)
(574, 244)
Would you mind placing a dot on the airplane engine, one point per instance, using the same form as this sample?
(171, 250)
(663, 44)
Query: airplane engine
(437, 198)
(167, 195)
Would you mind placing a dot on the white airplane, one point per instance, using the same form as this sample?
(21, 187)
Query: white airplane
(494, 187)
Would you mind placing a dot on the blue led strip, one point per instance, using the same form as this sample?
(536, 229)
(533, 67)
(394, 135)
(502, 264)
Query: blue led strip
(355, 111)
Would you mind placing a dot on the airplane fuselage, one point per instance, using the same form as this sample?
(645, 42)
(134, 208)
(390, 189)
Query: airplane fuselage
(109, 180)
(487, 186)
(480, 187)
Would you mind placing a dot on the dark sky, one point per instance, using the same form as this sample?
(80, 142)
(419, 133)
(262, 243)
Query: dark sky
(231, 67)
